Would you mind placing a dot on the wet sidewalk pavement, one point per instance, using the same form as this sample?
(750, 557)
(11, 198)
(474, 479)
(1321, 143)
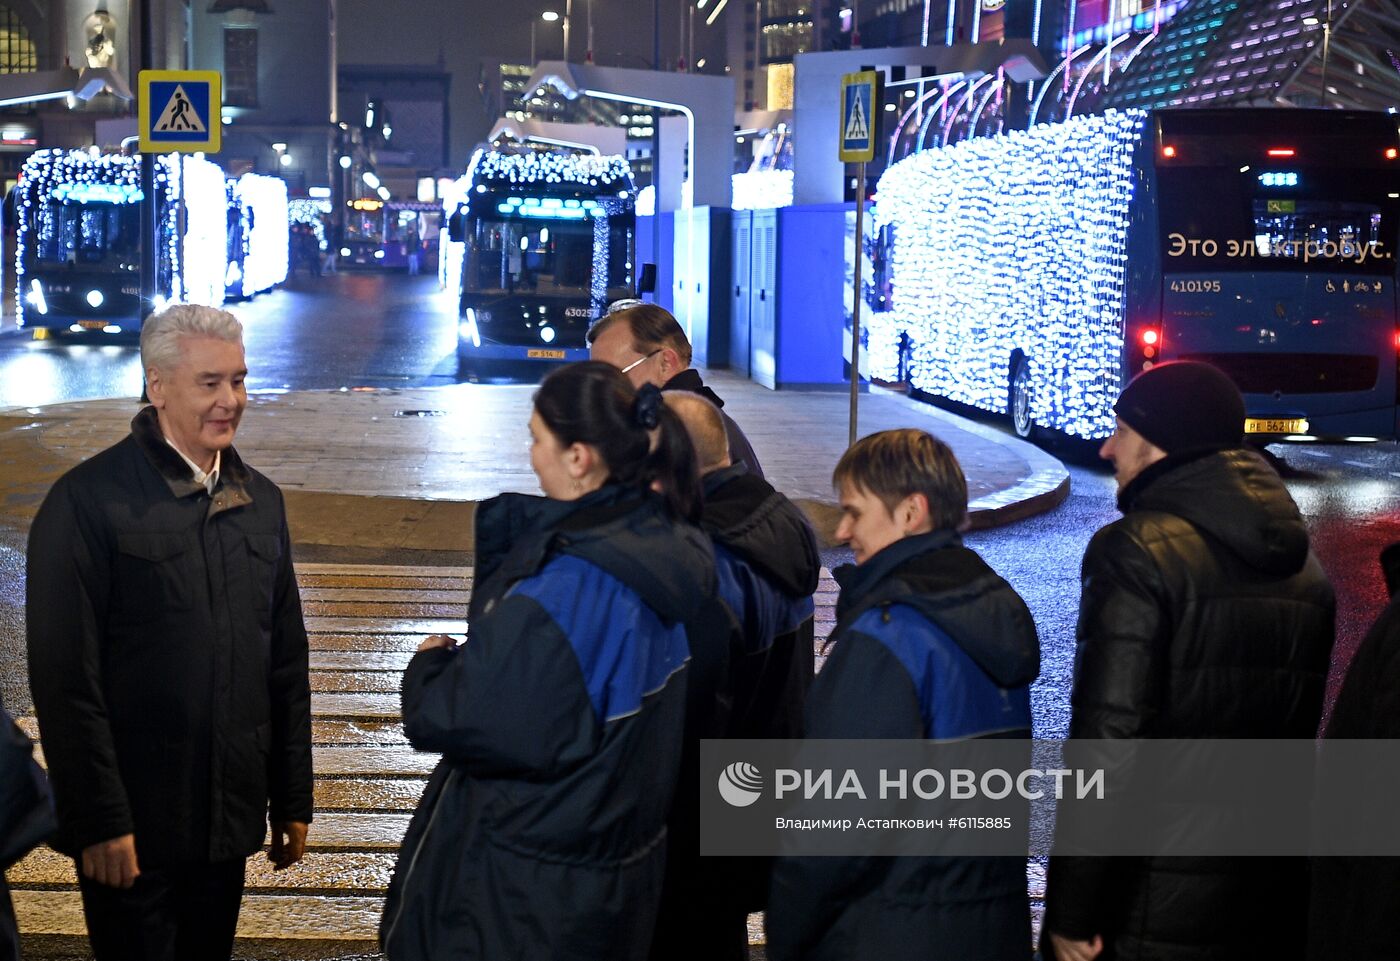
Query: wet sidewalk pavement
(401, 469)
(364, 622)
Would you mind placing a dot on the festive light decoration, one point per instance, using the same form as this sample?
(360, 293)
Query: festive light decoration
(261, 203)
(201, 278)
(451, 253)
(1013, 246)
(301, 210)
(762, 190)
(550, 167)
(646, 201)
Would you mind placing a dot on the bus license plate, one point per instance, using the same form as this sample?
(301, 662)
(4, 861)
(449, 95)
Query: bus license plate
(537, 354)
(93, 324)
(1262, 425)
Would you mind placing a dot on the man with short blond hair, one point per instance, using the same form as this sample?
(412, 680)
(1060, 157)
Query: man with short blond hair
(168, 659)
(930, 644)
(649, 345)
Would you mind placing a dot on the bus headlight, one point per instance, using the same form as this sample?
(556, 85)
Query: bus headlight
(95, 298)
(547, 334)
(36, 297)
(379, 255)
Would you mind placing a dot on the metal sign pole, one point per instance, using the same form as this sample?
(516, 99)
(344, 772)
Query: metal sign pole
(184, 291)
(855, 305)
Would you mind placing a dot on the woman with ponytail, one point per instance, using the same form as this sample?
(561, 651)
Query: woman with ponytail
(542, 832)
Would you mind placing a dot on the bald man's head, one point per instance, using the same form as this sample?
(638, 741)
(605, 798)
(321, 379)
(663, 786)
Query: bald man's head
(705, 425)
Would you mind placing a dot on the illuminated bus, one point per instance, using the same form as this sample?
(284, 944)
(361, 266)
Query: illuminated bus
(258, 227)
(377, 233)
(1034, 273)
(78, 237)
(550, 238)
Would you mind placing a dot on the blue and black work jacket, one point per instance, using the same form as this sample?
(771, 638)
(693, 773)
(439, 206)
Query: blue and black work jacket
(930, 643)
(542, 832)
(748, 682)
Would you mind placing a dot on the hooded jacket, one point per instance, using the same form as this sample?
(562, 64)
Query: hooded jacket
(768, 566)
(167, 655)
(1203, 614)
(542, 831)
(740, 450)
(930, 643)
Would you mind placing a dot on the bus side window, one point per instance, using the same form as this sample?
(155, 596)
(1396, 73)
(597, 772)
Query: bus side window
(457, 227)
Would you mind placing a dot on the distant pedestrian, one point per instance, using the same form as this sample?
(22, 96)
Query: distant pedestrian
(310, 250)
(1203, 614)
(413, 248)
(168, 659)
(542, 831)
(26, 818)
(1355, 900)
(929, 644)
(330, 261)
(768, 564)
(649, 345)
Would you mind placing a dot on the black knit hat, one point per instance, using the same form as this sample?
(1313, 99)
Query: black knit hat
(1183, 405)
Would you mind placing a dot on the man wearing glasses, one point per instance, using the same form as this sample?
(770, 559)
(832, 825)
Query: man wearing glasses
(648, 345)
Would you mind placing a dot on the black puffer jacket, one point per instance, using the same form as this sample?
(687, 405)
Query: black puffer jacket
(542, 832)
(1204, 614)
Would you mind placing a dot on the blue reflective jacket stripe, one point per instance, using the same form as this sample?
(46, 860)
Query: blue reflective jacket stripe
(624, 649)
(765, 611)
(957, 699)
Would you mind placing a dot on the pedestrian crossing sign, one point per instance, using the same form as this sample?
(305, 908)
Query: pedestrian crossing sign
(180, 110)
(860, 105)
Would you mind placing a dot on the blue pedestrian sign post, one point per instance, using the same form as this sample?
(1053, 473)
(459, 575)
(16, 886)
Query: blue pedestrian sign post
(861, 106)
(860, 111)
(180, 110)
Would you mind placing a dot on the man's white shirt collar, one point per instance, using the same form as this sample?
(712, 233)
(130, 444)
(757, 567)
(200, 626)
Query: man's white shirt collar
(209, 480)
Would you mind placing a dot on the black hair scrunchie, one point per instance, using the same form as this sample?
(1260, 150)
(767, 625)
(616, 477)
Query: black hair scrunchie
(646, 409)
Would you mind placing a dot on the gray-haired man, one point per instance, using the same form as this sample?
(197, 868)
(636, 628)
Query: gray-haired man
(168, 658)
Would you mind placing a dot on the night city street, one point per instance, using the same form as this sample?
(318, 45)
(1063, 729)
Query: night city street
(393, 332)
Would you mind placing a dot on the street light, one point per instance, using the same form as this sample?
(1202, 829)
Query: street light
(371, 181)
(549, 16)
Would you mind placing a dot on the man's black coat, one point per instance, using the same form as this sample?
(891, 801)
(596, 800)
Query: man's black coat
(167, 655)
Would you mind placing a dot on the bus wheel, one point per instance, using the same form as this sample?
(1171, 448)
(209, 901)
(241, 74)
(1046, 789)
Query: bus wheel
(1019, 403)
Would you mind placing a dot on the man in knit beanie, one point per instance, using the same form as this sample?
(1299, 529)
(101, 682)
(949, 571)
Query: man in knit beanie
(1203, 614)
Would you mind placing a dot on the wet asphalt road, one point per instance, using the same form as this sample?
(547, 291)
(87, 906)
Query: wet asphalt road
(377, 330)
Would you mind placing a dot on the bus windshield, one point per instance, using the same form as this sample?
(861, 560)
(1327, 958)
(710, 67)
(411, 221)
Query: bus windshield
(1334, 220)
(86, 233)
(510, 255)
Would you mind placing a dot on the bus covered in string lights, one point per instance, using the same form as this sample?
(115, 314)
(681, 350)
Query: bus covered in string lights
(78, 239)
(258, 225)
(549, 240)
(1035, 272)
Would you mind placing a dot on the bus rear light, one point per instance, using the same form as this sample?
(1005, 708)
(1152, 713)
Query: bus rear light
(1282, 152)
(1150, 337)
(1169, 151)
(1391, 153)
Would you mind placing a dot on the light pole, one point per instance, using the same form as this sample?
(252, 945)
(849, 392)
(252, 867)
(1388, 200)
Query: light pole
(549, 16)
(568, 13)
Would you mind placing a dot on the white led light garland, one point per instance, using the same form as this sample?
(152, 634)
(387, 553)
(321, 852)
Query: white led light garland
(1013, 245)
